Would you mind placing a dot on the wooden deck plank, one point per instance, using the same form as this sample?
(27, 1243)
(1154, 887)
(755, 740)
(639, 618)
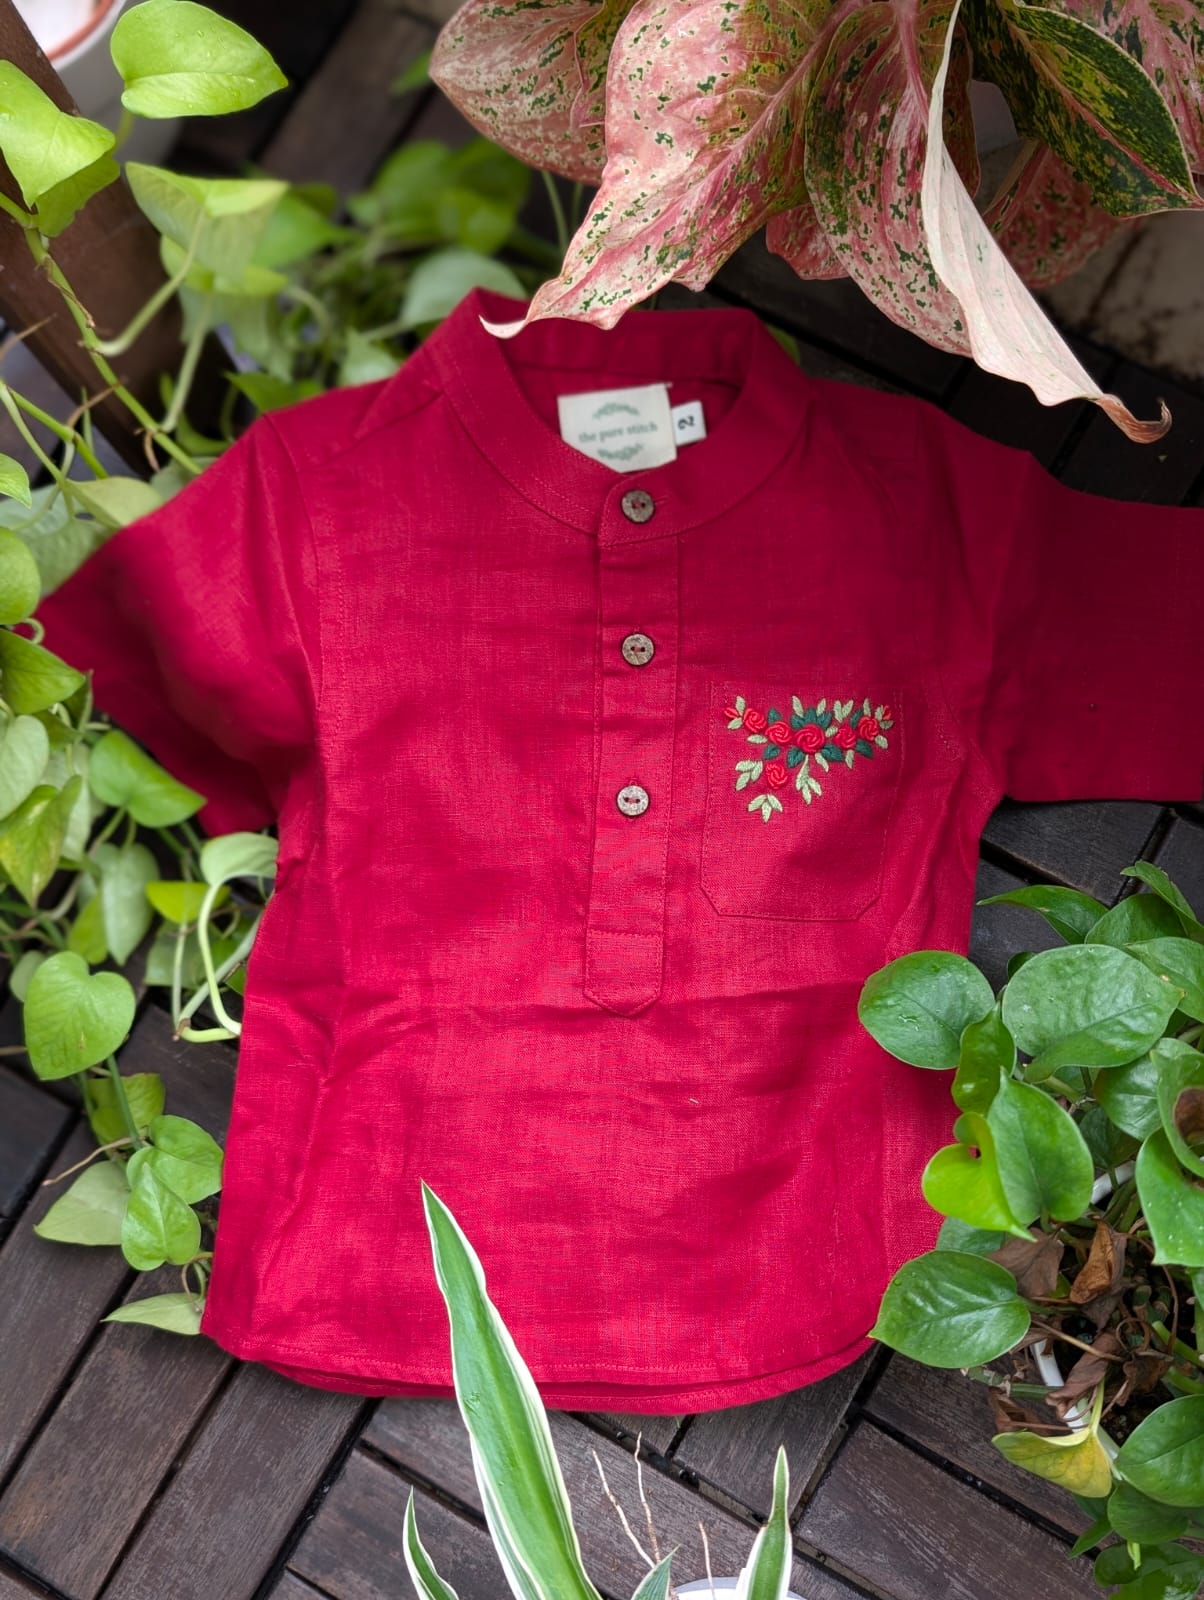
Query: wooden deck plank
(351, 94)
(51, 1297)
(1181, 854)
(916, 1533)
(12, 1588)
(836, 314)
(242, 1486)
(32, 1123)
(655, 1433)
(951, 1416)
(291, 1587)
(426, 1440)
(734, 1449)
(353, 1548)
(1083, 843)
(95, 1467)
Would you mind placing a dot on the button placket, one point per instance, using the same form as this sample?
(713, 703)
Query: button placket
(625, 922)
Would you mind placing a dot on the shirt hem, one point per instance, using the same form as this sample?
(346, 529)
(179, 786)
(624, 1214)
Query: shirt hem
(655, 1396)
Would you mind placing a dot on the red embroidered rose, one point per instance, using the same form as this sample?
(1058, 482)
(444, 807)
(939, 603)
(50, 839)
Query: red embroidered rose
(779, 732)
(775, 774)
(810, 737)
(732, 714)
(755, 721)
(887, 714)
(846, 737)
(868, 728)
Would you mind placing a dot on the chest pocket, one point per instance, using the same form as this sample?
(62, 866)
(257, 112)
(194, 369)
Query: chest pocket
(802, 782)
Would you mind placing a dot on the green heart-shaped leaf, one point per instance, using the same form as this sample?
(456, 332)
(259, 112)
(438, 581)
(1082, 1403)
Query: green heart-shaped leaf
(32, 836)
(183, 1157)
(1086, 1005)
(951, 1309)
(958, 1183)
(179, 59)
(227, 217)
(1173, 1203)
(919, 1005)
(238, 855)
(1129, 1096)
(1134, 1516)
(1134, 919)
(158, 1225)
(31, 677)
(987, 1051)
(122, 774)
(20, 585)
(181, 901)
(1180, 1072)
(24, 750)
(1179, 962)
(73, 1018)
(1068, 912)
(1045, 1166)
(1164, 1455)
(43, 145)
(143, 1090)
(58, 542)
(175, 1313)
(115, 501)
(92, 1209)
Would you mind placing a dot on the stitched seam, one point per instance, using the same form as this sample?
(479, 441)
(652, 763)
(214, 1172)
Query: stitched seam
(319, 687)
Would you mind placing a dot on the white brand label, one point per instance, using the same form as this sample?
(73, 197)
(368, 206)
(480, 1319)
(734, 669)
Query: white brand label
(622, 428)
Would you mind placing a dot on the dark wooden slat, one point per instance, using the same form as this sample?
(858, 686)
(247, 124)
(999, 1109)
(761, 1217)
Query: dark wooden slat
(12, 1588)
(951, 1416)
(1083, 843)
(291, 1587)
(998, 932)
(353, 1548)
(1181, 855)
(734, 1449)
(837, 314)
(245, 1481)
(1105, 462)
(94, 1468)
(51, 1296)
(1010, 412)
(915, 1533)
(31, 1123)
(351, 93)
(655, 1433)
(427, 1440)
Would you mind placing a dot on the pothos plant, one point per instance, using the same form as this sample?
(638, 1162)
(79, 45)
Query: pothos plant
(1069, 1274)
(514, 1461)
(304, 301)
(844, 127)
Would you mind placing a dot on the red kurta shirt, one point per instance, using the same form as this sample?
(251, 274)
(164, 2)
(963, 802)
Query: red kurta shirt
(572, 924)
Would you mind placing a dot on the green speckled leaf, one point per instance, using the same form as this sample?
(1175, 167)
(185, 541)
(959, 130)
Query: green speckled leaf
(1008, 332)
(1087, 97)
(1045, 220)
(705, 102)
(864, 143)
(530, 75)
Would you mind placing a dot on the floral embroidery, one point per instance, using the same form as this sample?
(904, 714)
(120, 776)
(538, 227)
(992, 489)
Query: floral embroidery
(828, 736)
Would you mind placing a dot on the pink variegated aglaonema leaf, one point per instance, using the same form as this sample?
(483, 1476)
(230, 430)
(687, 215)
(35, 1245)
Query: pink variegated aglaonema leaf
(704, 112)
(1072, 87)
(531, 74)
(796, 236)
(864, 140)
(1045, 220)
(1008, 332)
(1167, 38)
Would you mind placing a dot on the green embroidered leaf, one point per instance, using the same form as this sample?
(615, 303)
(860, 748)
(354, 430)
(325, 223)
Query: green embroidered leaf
(772, 750)
(821, 761)
(881, 741)
(797, 704)
(863, 747)
(757, 738)
(773, 714)
(821, 707)
(797, 720)
(848, 758)
(743, 780)
(736, 722)
(741, 703)
(793, 757)
(757, 801)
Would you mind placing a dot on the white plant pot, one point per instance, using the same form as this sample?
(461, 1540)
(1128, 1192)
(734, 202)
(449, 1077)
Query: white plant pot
(704, 1586)
(75, 37)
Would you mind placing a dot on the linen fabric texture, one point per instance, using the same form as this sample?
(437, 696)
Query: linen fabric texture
(624, 1050)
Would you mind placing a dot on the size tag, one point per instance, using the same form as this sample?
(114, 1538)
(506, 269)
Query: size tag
(622, 428)
(689, 424)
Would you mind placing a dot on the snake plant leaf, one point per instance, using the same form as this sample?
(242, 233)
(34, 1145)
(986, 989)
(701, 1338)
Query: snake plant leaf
(702, 148)
(427, 1582)
(877, 74)
(767, 1574)
(530, 75)
(1079, 92)
(522, 1489)
(1007, 330)
(654, 1585)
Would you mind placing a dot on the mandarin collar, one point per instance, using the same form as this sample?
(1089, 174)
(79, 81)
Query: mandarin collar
(708, 478)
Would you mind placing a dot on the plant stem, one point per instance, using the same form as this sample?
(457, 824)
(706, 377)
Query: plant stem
(188, 366)
(66, 433)
(123, 1104)
(123, 340)
(562, 226)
